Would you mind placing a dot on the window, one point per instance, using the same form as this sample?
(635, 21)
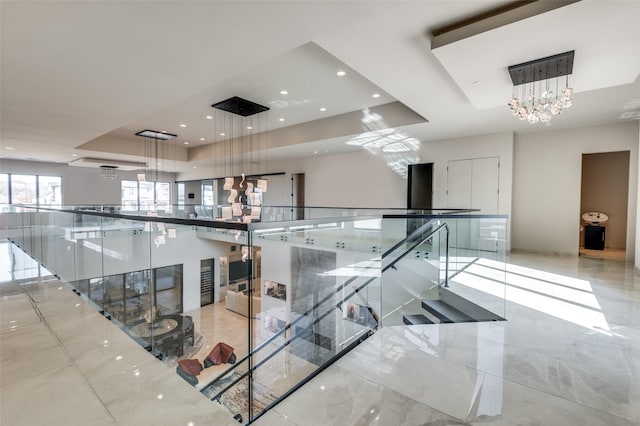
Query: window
(4, 188)
(129, 195)
(30, 189)
(49, 190)
(145, 195)
(163, 195)
(207, 194)
(23, 189)
(181, 199)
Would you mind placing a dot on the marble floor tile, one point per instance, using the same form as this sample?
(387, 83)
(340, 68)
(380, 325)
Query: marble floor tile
(17, 312)
(20, 362)
(339, 397)
(388, 359)
(504, 403)
(541, 367)
(57, 397)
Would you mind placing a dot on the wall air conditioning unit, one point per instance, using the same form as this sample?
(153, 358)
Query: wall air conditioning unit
(107, 164)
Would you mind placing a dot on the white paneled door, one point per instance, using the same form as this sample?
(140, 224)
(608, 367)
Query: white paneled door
(474, 184)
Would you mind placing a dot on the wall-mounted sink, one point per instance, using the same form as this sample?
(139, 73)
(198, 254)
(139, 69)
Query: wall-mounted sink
(595, 217)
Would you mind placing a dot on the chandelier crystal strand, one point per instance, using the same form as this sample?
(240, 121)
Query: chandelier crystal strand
(538, 104)
(542, 104)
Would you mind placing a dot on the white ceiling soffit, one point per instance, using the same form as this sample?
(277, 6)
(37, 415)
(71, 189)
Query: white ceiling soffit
(100, 162)
(307, 73)
(603, 58)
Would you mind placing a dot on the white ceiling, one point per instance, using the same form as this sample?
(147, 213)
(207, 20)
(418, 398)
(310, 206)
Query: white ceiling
(94, 73)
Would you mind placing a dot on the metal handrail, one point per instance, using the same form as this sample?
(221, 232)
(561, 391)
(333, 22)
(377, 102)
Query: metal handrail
(432, 233)
(250, 371)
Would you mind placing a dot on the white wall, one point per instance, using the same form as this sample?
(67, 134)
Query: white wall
(547, 179)
(631, 177)
(493, 145)
(353, 179)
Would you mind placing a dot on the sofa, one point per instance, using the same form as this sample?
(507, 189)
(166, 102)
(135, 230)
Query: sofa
(200, 375)
(237, 301)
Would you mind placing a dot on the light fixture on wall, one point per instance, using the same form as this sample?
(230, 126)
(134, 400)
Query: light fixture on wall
(541, 88)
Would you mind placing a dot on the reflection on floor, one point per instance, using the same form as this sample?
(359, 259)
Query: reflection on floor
(62, 363)
(569, 354)
(607, 253)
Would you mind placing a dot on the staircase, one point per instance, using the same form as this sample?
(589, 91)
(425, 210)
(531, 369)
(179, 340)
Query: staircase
(449, 308)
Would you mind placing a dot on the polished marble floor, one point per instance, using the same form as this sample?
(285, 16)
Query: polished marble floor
(62, 363)
(569, 354)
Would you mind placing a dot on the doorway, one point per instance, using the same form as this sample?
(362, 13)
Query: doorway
(604, 189)
(420, 186)
(206, 282)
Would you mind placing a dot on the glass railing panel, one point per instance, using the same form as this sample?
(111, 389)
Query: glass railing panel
(306, 289)
(48, 235)
(64, 246)
(232, 390)
(424, 268)
(11, 223)
(319, 293)
(478, 271)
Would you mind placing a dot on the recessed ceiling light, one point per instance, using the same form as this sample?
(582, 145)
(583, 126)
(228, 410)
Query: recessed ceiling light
(208, 117)
(280, 119)
(375, 95)
(323, 109)
(284, 92)
(341, 73)
(223, 134)
(194, 167)
(249, 128)
(9, 148)
(201, 139)
(74, 155)
(186, 143)
(183, 125)
(164, 131)
(315, 152)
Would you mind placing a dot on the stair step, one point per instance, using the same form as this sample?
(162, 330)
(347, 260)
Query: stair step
(470, 308)
(416, 319)
(445, 312)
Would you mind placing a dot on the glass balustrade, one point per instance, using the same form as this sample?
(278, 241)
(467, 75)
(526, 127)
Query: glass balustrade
(292, 292)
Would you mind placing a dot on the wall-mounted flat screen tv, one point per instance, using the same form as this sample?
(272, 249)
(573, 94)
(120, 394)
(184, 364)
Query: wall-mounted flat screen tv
(239, 270)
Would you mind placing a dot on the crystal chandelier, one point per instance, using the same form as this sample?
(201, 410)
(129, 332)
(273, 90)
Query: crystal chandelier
(537, 94)
(109, 172)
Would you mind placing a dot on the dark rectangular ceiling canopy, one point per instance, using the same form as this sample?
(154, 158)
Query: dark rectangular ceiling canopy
(154, 134)
(542, 69)
(239, 106)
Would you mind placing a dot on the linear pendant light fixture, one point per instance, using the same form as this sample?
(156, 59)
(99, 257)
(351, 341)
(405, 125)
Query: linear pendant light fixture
(240, 128)
(537, 91)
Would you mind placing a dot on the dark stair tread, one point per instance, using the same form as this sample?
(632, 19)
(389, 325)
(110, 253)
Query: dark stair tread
(470, 308)
(416, 319)
(445, 312)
